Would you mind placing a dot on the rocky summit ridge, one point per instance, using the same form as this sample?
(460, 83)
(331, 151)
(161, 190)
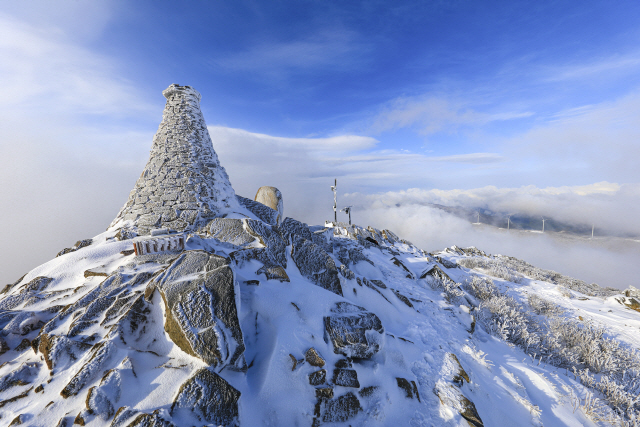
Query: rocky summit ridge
(259, 320)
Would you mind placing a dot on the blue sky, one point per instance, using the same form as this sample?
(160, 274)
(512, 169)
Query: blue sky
(386, 96)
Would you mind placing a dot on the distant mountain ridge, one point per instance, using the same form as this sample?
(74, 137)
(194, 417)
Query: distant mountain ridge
(521, 221)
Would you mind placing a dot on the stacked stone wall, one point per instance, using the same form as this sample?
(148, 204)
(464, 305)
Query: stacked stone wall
(183, 185)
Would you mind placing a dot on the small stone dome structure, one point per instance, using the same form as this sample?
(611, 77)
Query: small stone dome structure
(271, 197)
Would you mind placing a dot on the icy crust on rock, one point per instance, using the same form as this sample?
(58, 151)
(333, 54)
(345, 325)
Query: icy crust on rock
(199, 294)
(183, 185)
(354, 331)
(209, 397)
(263, 212)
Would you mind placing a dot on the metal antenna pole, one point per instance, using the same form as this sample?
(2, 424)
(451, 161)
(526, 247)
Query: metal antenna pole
(335, 201)
(347, 210)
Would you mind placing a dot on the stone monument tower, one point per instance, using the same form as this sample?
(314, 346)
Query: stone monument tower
(183, 185)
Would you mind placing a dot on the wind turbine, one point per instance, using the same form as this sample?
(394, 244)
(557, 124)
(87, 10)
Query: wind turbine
(543, 220)
(335, 200)
(593, 226)
(478, 212)
(347, 210)
(509, 221)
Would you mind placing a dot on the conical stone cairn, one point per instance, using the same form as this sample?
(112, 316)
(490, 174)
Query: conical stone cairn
(183, 186)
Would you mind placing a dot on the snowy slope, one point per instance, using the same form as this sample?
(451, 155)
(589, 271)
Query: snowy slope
(424, 323)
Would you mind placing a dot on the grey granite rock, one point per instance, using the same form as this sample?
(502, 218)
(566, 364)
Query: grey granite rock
(346, 378)
(315, 264)
(290, 228)
(318, 377)
(341, 409)
(209, 397)
(354, 331)
(199, 293)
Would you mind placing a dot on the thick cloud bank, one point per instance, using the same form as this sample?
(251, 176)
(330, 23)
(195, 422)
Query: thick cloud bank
(607, 261)
(612, 208)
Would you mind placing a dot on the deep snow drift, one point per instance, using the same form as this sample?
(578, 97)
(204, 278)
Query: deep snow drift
(265, 321)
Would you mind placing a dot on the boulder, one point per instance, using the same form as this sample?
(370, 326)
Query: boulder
(316, 265)
(313, 358)
(59, 351)
(435, 273)
(410, 388)
(231, 230)
(354, 331)
(290, 228)
(209, 397)
(79, 245)
(346, 378)
(263, 212)
(23, 375)
(101, 399)
(199, 293)
(100, 356)
(341, 409)
(450, 396)
(318, 377)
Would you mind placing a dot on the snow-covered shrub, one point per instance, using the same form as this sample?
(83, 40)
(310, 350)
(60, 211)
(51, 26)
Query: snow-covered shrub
(542, 306)
(565, 292)
(518, 266)
(451, 289)
(599, 362)
(492, 266)
(502, 314)
(481, 288)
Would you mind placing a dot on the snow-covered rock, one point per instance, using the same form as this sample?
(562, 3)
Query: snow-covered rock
(199, 293)
(354, 331)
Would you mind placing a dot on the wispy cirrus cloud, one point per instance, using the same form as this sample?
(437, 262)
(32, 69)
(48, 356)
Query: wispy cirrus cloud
(603, 67)
(431, 114)
(323, 50)
(42, 70)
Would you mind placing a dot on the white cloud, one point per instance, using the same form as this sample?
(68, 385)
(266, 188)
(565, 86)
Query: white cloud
(322, 50)
(43, 72)
(609, 206)
(596, 142)
(607, 262)
(432, 114)
(339, 144)
(305, 167)
(604, 67)
(63, 178)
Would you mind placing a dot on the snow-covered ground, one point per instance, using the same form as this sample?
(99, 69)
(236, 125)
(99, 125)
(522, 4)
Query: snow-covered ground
(426, 320)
